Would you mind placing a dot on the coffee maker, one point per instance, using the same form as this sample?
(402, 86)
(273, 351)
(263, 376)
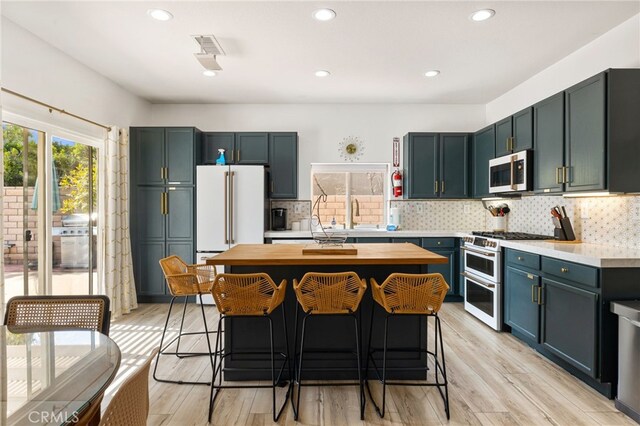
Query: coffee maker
(279, 219)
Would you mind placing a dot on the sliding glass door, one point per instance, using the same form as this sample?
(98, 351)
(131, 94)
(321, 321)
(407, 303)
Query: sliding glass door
(51, 211)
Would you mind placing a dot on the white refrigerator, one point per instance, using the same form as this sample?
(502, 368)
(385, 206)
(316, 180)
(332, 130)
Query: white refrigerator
(231, 209)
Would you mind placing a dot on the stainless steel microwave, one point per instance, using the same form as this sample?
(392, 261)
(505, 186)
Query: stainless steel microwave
(511, 173)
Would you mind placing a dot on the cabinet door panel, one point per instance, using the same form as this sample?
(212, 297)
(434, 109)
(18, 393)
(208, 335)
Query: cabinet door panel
(180, 156)
(483, 151)
(283, 165)
(252, 148)
(448, 270)
(421, 161)
(454, 166)
(569, 321)
(149, 277)
(179, 213)
(149, 213)
(148, 155)
(585, 137)
(182, 249)
(504, 131)
(548, 154)
(523, 130)
(521, 310)
(213, 141)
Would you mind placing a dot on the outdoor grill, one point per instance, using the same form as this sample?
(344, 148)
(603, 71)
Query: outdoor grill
(74, 241)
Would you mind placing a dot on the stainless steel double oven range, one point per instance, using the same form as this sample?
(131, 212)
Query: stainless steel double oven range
(482, 273)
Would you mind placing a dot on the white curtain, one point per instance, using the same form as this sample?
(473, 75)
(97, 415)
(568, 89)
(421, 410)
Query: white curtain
(118, 266)
(2, 301)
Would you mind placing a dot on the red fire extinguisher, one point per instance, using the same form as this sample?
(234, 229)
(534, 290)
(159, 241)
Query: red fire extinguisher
(396, 181)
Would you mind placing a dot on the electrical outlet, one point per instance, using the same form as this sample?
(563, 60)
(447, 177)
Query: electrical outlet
(297, 208)
(466, 209)
(419, 208)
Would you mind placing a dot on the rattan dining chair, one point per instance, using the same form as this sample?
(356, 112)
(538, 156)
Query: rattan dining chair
(130, 405)
(321, 294)
(43, 313)
(403, 295)
(240, 296)
(186, 281)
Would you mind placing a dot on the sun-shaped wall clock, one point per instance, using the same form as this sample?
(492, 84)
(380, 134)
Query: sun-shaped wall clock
(351, 148)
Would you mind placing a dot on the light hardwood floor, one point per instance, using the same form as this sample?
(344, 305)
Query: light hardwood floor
(494, 380)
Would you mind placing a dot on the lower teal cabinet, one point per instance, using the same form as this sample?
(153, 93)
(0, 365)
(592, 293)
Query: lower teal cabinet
(569, 324)
(521, 302)
(448, 270)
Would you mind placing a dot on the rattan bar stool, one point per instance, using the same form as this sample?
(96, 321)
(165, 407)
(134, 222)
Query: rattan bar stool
(239, 296)
(410, 294)
(183, 281)
(328, 294)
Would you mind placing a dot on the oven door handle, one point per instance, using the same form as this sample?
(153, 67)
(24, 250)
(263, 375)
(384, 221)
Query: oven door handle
(489, 286)
(484, 253)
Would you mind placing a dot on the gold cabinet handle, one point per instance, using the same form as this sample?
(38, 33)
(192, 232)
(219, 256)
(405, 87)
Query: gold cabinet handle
(165, 204)
(540, 296)
(520, 258)
(558, 177)
(435, 188)
(533, 291)
(232, 156)
(443, 186)
(564, 270)
(162, 203)
(226, 210)
(238, 156)
(161, 172)
(530, 276)
(439, 242)
(565, 175)
(272, 186)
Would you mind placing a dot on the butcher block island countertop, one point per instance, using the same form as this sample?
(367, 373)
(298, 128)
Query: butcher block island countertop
(291, 254)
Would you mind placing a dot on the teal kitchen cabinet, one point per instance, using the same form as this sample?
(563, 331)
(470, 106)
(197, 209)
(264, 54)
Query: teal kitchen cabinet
(283, 165)
(446, 247)
(420, 160)
(522, 302)
(601, 133)
(569, 324)
(483, 150)
(213, 141)
(163, 155)
(514, 133)
(436, 165)
(162, 203)
(252, 148)
(548, 144)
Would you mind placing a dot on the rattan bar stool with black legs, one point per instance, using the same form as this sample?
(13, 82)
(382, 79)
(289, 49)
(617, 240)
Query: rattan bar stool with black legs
(404, 295)
(322, 294)
(240, 296)
(184, 280)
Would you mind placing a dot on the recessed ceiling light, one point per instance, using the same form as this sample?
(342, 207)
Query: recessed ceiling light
(322, 73)
(431, 73)
(209, 73)
(324, 14)
(482, 15)
(160, 14)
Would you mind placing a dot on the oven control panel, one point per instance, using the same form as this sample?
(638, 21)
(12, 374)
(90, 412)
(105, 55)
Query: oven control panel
(480, 242)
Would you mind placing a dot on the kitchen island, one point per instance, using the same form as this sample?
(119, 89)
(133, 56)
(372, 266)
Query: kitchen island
(326, 333)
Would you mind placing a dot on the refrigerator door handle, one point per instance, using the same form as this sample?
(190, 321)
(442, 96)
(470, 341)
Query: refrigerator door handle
(231, 207)
(226, 236)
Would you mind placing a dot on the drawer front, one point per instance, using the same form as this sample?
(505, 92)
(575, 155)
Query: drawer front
(521, 258)
(415, 241)
(438, 242)
(581, 274)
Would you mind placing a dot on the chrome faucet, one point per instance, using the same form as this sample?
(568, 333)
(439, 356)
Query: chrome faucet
(357, 212)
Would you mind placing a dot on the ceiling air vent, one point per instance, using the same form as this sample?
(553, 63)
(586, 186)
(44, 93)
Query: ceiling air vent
(209, 49)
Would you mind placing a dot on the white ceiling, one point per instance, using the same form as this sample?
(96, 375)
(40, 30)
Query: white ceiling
(377, 52)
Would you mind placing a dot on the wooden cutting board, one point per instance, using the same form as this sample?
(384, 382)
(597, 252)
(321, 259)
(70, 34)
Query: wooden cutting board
(345, 249)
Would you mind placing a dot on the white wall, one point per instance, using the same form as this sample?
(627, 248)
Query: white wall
(618, 48)
(322, 127)
(36, 69)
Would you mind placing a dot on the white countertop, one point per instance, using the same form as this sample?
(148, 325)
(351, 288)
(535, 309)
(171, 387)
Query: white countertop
(597, 255)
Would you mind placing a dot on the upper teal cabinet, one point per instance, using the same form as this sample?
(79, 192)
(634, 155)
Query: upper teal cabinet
(252, 148)
(514, 133)
(548, 144)
(436, 165)
(240, 147)
(283, 165)
(484, 144)
(602, 132)
(212, 142)
(164, 155)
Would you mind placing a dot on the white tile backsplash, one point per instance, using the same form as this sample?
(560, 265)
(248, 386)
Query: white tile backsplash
(613, 221)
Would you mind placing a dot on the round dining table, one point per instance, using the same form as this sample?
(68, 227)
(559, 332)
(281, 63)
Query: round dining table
(49, 377)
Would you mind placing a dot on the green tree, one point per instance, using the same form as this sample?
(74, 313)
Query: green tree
(76, 181)
(14, 156)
